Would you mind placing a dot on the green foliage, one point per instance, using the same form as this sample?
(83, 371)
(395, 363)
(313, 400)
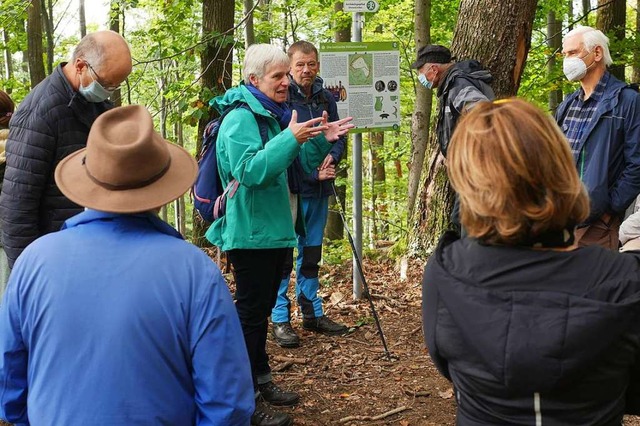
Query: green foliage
(166, 41)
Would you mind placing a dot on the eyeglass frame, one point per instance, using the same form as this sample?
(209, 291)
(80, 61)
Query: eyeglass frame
(107, 88)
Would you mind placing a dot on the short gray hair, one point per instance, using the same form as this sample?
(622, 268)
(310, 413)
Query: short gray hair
(591, 38)
(259, 57)
(90, 50)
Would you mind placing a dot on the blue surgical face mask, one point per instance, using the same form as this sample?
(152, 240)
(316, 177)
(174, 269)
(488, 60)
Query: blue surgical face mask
(94, 92)
(424, 81)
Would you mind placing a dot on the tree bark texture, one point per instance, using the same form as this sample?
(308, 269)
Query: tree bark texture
(82, 19)
(34, 43)
(8, 60)
(498, 34)
(612, 15)
(586, 8)
(249, 35)
(421, 118)
(114, 25)
(215, 63)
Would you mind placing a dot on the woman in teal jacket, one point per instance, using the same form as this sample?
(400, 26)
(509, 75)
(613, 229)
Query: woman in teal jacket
(258, 226)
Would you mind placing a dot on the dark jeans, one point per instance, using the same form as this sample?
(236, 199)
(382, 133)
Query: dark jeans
(258, 273)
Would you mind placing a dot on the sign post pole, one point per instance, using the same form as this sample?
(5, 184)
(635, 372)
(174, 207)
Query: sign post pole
(356, 35)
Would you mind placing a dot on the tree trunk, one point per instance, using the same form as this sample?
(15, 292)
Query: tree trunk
(249, 35)
(215, 65)
(554, 40)
(504, 54)
(335, 228)
(265, 37)
(586, 8)
(34, 43)
(612, 15)
(114, 25)
(82, 18)
(378, 192)
(47, 18)
(8, 60)
(422, 108)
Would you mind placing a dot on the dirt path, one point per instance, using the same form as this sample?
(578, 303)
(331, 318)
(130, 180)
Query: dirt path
(347, 380)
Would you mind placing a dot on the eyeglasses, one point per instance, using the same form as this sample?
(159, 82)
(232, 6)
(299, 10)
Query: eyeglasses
(109, 88)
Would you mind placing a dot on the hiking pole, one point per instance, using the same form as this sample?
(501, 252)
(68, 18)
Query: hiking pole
(359, 266)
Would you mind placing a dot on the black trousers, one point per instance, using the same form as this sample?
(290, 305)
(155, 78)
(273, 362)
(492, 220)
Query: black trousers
(258, 273)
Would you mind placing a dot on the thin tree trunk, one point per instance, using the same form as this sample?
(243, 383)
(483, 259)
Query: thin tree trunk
(611, 19)
(8, 60)
(510, 23)
(249, 35)
(47, 20)
(114, 25)
(378, 189)
(554, 37)
(215, 65)
(83, 21)
(34, 43)
(335, 228)
(586, 8)
(421, 117)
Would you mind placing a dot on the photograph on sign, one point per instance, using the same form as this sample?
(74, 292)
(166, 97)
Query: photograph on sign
(364, 80)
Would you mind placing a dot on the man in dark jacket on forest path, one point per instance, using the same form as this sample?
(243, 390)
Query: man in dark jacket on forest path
(310, 99)
(460, 85)
(52, 122)
(601, 123)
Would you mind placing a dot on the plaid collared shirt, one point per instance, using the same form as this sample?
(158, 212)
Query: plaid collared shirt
(579, 113)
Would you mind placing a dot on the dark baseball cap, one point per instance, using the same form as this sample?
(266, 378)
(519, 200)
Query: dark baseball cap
(432, 54)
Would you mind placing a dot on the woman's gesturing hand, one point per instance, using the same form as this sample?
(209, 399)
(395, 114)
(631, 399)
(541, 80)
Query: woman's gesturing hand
(337, 128)
(308, 129)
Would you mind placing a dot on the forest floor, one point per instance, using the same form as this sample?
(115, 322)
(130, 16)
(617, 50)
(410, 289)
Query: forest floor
(348, 380)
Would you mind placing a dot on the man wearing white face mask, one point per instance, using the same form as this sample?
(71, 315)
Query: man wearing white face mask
(601, 123)
(52, 122)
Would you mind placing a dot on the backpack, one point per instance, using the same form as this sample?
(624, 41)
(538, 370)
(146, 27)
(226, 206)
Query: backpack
(209, 198)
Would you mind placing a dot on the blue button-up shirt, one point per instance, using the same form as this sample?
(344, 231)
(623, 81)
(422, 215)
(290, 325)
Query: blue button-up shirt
(580, 113)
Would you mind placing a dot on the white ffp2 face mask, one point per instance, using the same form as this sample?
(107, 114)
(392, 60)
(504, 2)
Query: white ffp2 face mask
(575, 68)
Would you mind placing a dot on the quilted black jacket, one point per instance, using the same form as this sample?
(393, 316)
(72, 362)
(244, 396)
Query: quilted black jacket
(52, 122)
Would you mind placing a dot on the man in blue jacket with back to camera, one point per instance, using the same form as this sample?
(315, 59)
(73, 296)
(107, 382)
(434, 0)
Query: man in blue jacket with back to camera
(116, 320)
(601, 123)
(310, 99)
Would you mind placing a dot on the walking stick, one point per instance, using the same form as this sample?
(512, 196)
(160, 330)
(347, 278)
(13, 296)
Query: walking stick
(359, 266)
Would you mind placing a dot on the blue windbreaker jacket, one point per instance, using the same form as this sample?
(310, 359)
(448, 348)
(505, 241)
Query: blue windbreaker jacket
(118, 321)
(609, 160)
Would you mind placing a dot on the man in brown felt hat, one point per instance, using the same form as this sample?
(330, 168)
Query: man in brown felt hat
(116, 319)
(460, 86)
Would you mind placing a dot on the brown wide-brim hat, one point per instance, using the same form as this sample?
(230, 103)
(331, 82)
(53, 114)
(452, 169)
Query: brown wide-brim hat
(127, 167)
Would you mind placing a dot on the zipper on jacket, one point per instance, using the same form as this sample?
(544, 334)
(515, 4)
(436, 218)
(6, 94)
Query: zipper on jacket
(536, 408)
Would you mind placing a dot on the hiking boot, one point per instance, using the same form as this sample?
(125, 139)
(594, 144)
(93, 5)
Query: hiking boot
(324, 325)
(285, 336)
(267, 416)
(276, 396)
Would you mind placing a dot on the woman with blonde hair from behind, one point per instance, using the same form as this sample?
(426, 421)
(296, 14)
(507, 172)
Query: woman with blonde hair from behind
(529, 328)
(6, 111)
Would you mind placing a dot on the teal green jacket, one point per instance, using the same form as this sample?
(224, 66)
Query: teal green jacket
(258, 216)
